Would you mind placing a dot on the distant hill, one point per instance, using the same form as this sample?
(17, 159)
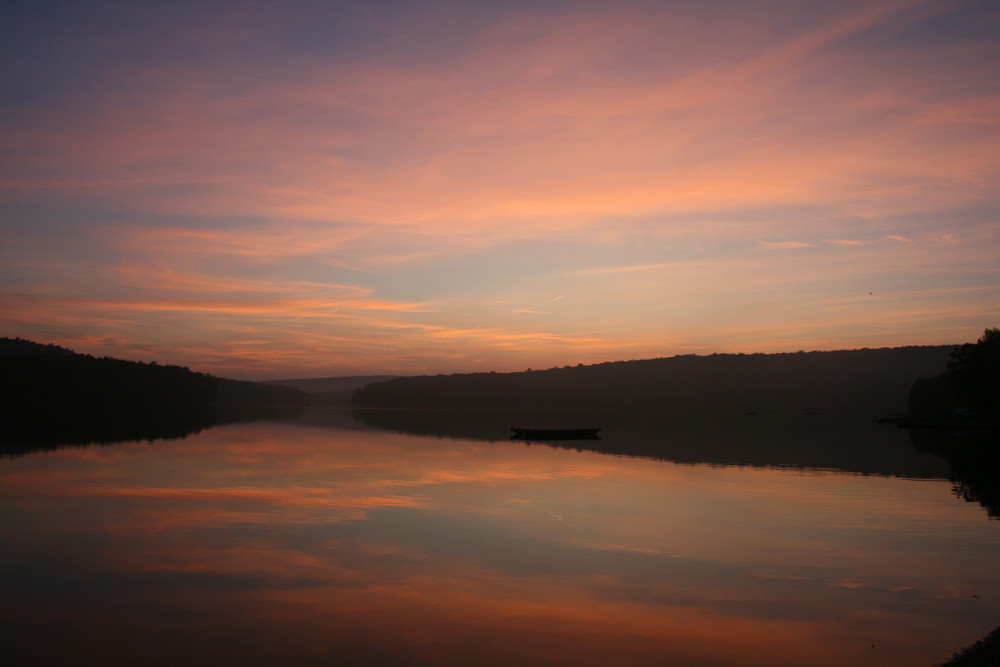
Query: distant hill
(332, 391)
(867, 380)
(321, 385)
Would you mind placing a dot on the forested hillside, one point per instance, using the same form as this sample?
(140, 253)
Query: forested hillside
(51, 397)
(869, 380)
(49, 378)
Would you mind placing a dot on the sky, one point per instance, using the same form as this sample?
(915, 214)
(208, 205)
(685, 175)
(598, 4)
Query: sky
(268, 190)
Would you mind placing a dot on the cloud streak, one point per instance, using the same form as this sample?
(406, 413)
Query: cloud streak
(447, 181)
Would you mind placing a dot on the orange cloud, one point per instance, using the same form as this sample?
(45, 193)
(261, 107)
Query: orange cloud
(845, 243)
(427, 207)
(785, 245)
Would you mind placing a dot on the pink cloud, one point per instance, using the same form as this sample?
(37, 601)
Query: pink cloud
(845, 243)
(448, 152)
(785, 245)
(364, 205)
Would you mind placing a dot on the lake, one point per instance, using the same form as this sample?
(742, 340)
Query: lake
(376, 539)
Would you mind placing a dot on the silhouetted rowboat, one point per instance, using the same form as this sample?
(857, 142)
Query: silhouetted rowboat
(555, 433)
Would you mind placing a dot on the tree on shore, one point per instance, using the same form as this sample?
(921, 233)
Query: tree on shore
(975, 372)
(970, 383)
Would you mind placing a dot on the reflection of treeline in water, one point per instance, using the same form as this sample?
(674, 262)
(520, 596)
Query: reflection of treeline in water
(815, 442)
(867, 380)
(49, 394)
(974, 459)
(36, 431)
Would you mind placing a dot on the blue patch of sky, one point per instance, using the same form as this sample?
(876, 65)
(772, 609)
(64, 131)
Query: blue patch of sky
(960, 24)
(51, 48)
(963, 23)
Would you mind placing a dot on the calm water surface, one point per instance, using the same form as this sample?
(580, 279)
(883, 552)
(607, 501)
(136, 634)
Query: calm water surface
(285, 543)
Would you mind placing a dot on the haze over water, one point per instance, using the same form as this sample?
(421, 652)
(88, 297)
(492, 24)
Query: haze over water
(328, 541)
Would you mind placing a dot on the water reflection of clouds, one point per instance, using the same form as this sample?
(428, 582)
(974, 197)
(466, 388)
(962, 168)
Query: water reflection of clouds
(383, 547)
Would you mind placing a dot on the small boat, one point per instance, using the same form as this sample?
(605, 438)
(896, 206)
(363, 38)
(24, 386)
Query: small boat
(570, 433)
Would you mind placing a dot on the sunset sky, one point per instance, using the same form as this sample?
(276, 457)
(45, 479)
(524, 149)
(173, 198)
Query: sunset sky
(303, 189)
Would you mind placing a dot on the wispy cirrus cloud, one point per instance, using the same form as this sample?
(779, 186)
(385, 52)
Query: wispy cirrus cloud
(625, 269)
(845, 243)
(562, 139)
(785, 245)
(425, 175)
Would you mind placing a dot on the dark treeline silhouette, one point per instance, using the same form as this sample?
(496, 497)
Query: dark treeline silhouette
(968, 388)
(47, 376)
(867, 380)
(984, 653)
(956, 414)
(50, 395)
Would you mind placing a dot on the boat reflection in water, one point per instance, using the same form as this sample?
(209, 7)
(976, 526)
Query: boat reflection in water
(330, 541)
